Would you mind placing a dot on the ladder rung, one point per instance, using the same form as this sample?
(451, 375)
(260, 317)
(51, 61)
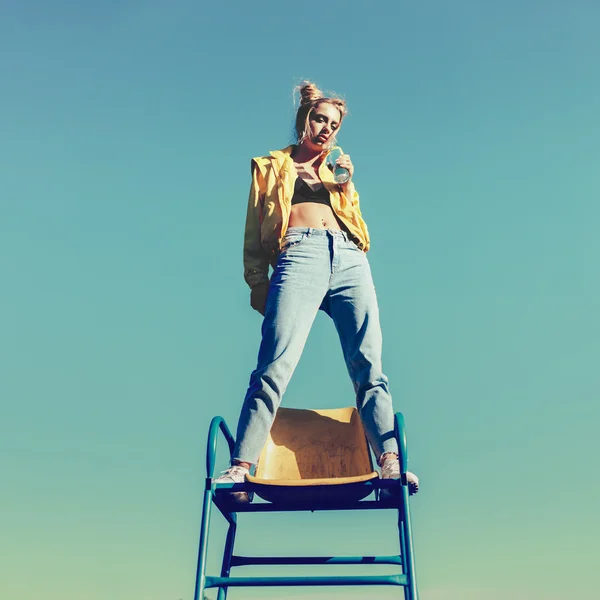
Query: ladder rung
(212, 582)
(239, 561)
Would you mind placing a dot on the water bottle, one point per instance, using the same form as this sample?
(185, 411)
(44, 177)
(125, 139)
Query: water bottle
(340, 175)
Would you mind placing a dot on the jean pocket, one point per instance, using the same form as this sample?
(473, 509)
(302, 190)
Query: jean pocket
(292, 240)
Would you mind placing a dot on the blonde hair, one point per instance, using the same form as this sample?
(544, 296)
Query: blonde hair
(310, 98)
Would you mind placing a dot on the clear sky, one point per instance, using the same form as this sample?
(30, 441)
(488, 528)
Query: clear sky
(126, 133)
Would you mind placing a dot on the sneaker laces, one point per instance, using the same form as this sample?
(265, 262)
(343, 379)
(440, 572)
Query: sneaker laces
(234, 472)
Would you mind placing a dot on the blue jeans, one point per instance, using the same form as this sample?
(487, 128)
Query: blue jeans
(318, 269)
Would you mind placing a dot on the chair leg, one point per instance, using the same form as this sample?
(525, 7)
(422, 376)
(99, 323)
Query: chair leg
(203, 545)
(406, 546)
(227, 555)
(402, 534)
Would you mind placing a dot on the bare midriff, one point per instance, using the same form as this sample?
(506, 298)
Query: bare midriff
(313, 214)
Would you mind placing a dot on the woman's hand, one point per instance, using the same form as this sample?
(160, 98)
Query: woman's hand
(345, 162)
(258, 297)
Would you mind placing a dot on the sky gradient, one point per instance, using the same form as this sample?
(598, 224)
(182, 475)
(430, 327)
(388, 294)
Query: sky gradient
(126, 135)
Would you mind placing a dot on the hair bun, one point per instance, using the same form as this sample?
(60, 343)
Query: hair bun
(309, 92)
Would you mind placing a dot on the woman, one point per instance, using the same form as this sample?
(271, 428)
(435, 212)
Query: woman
(311, 230)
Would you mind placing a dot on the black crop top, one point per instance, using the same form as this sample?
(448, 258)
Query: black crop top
(304, 193)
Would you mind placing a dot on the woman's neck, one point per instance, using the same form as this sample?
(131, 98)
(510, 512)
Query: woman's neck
(303, 154)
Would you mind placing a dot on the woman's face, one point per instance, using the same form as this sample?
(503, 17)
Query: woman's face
(323, 123)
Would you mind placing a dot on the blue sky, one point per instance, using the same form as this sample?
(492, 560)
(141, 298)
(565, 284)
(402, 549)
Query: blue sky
(126, 133)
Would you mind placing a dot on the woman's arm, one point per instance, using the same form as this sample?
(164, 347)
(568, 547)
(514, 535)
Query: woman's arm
(347, 189)
(256, 260)
(350, 195)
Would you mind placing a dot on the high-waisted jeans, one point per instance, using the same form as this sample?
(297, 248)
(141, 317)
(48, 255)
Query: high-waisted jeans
(318, 268)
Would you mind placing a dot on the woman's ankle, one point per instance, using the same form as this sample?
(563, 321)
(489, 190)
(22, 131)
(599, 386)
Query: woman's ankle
(241, 463)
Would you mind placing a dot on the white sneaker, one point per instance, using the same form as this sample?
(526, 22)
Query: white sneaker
(390, 469)
(235, 474)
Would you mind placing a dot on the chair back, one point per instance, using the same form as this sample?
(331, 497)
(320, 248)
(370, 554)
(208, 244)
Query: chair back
(315, 444)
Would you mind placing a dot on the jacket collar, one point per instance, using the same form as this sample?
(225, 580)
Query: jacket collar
(282, 155)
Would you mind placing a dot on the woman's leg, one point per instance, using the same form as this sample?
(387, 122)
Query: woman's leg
(354, 310)
(296, 291)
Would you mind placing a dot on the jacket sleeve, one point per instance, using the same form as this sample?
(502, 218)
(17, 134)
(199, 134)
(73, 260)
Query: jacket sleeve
(351, 196)
(256, 260)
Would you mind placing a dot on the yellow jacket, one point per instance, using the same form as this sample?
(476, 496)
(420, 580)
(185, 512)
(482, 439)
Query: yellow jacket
(270, 204)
